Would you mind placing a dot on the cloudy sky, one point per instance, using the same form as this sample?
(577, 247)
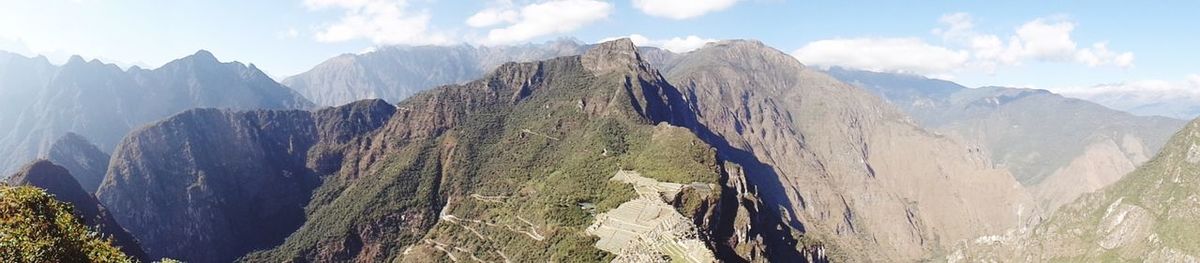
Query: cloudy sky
(1083, 48)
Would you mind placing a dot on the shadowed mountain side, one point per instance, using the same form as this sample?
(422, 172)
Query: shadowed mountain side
(210, 185)
(86, 162)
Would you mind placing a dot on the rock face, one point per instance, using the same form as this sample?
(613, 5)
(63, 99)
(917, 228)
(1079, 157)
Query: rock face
(1150, 215)
(86, 162)
(211, 185)
(1060, 147)
(849, 171)
(103, 103)
(57, 181)
(396, 72)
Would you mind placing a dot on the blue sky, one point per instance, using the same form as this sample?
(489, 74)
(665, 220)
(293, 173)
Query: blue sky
(1148, 46)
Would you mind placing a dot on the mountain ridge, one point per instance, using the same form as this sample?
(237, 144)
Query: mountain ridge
(103, 102)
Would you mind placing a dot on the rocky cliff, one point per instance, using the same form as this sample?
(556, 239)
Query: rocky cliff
(210, 185)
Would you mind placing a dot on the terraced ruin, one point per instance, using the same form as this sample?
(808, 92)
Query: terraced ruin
(648, 228)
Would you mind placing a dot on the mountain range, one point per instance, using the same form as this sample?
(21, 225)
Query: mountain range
(1059, 147)
(102, 103)
(570, 152)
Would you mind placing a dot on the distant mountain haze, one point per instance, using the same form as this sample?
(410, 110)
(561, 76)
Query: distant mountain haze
(1061, 147)
(101, 102)
(1152, 215)
(393, 73)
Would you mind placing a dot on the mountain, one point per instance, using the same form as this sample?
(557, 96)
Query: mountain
(394, 73)
(38, 228)
(858, 179)
(210, 185)
(102, 102)
(82, 159)
(57, 181)
(1142, 99)
(1150, 215)
(517, 166)
(21, 78)
(536, 161)
(1061, 147)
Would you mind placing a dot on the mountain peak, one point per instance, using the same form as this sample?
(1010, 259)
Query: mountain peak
(71, 137)
(76, 59)
(55, 179)
(611, 56)
(204, 56)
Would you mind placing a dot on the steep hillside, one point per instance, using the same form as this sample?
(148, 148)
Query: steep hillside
(1150, 215)
(38, 228)
(1061, 147)
(103, 103)
(852, 173)
(394, 73)
(210, 185)
(85, 162)
(517, 166)
(55, 180)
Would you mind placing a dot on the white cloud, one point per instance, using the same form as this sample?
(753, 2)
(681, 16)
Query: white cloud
(1099, 55)
(963, 48)
(681, 9)
(1042, 39)
(908, 55)
(1146, 97)
(541, 19)
(675, 44)
(380, 21)
(492, 16)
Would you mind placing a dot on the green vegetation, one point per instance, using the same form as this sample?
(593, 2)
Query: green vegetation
(34, 227)
(504, 178)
